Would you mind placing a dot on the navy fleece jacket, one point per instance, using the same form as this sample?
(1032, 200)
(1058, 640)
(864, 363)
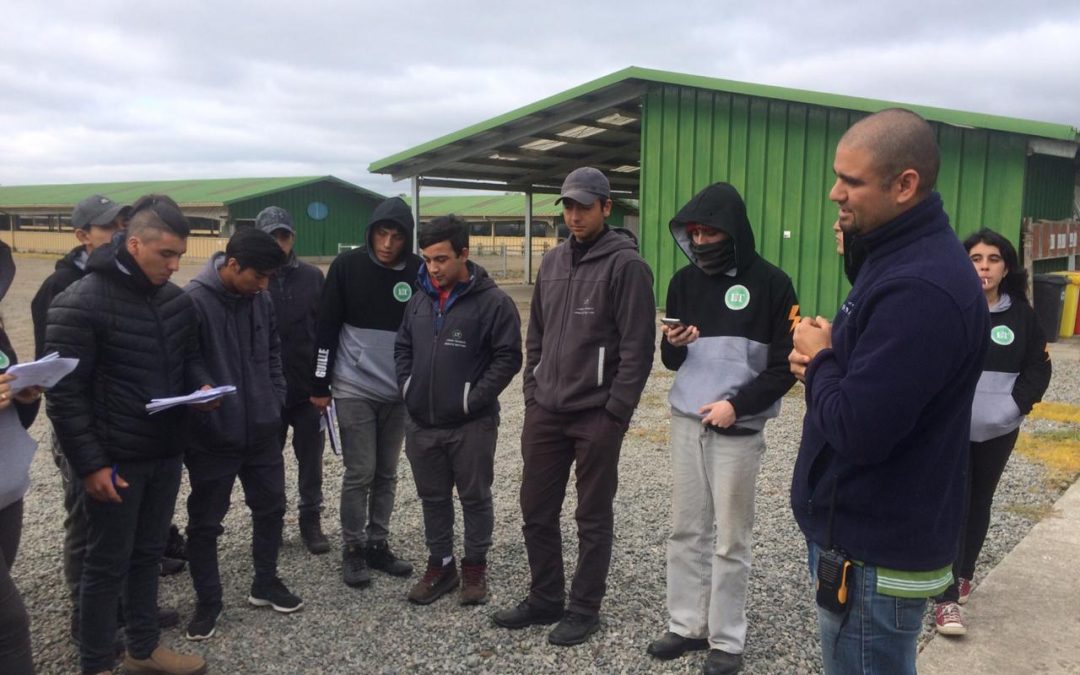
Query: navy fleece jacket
(888, 408)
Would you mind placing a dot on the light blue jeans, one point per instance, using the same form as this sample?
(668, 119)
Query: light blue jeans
(878, 635)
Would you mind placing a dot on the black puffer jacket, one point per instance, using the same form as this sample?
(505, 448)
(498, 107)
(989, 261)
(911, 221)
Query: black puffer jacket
(135, 341)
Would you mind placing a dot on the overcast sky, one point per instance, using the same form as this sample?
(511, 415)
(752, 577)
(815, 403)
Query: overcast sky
(102, 90)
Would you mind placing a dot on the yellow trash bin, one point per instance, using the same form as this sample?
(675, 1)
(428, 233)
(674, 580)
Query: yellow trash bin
(1072, 297)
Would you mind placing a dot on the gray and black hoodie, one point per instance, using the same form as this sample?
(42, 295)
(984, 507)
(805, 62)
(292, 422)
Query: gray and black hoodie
(240, 345)
(745, 317)
(1015, 374)
(360, 312)
(592, 327)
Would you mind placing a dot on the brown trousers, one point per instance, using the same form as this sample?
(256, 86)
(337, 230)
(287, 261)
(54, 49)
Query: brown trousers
(550, 442)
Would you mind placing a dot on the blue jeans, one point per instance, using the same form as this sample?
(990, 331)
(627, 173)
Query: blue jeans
(878, 635)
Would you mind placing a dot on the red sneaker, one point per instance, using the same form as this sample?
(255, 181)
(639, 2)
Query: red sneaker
(965, 590)
(948, 620)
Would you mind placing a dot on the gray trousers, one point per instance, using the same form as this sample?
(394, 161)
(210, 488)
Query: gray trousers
(75, 522)
(461, 457)
(371, 435)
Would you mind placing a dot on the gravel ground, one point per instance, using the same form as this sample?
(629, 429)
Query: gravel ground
(375, 630)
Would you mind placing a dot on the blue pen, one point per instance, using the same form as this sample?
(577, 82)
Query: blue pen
(114, 467)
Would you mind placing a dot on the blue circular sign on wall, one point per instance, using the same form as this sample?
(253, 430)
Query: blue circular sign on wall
(317, 210)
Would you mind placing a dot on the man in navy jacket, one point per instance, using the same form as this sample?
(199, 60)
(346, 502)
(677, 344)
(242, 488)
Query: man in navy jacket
(879, 479)
(458, 347)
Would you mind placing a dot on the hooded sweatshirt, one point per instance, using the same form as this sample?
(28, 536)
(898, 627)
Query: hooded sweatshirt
(360, 312)
(455, 356)
(239, 339)
(591, 328)
(745, 317)
(1016, 371)
(296, 290)
(69, 269)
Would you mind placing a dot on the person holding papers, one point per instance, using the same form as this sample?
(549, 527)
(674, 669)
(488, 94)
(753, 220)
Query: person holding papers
(239, 338)
(136, 338)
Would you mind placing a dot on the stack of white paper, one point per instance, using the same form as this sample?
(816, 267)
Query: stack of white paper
(200, 396)
(44, 373)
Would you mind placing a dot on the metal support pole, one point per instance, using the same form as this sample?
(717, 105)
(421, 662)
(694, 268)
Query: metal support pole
(416, 214)
(528, 236)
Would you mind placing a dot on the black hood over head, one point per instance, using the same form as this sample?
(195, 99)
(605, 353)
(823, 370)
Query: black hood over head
(720, 207)
(396, 212)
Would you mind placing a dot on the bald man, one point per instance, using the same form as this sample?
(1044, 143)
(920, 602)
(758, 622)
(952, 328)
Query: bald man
(879, 480)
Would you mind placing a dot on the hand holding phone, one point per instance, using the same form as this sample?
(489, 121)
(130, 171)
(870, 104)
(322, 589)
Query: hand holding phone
(671, 321)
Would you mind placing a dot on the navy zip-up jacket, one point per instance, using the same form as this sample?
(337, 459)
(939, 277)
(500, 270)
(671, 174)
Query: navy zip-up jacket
(454, 361)
(240, 343)
(888, 407)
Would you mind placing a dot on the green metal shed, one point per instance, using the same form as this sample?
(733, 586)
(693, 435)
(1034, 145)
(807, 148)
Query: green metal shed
(662, 136)
(327, 211)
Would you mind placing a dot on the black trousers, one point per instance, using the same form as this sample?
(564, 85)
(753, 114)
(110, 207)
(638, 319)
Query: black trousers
(262, 474)
(986, 463)
(15, 652)
(550, 443)
(125, 542)
(308, 442)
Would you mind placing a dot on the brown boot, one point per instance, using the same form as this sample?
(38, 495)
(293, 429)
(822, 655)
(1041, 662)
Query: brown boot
(165, 661)
(473, 583)
(437, 581)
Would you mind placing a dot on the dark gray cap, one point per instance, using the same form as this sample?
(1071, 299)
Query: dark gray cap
(95, 210)
(585, 185)
(274, 218)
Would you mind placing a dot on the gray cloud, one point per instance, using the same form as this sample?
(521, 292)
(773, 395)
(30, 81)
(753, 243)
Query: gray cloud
(119, 90)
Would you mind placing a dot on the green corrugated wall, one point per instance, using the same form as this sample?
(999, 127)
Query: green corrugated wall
(1050, 188)
(779, 155)
(348, 214)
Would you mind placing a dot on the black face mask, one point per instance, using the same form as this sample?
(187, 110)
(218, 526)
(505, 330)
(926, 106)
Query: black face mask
(715, 258)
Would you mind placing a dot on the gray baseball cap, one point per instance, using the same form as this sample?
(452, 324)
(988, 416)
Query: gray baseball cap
(96, 210)
(585, 185)
(274, 218)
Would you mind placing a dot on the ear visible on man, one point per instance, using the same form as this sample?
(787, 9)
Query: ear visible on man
(907, 183)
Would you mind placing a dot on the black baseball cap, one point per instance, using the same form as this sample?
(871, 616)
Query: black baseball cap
(585, 185)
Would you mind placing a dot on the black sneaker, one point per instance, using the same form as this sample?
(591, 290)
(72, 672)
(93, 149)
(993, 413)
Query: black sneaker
(573, 629)
(171, 566)
(719, 662)
(204, 624)
(380, 557)
(274, 594)
(672, 646)
(354, 567)
(312, 535)
(175, 546)
(525, 615)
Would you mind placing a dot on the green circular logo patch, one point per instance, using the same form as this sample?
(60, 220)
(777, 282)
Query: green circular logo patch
(402, 291)
(1002, 335)
(4, 360)
(737, 297)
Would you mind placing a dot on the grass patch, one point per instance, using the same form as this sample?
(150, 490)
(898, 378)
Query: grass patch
(1058, 451)
(657, 434)
(1032, 512)
(1056, 412)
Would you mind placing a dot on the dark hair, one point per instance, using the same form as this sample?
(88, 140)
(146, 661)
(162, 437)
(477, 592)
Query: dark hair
(898, 139)
(445, 228)
(255, 249)
(1015, 282)
(151, 215)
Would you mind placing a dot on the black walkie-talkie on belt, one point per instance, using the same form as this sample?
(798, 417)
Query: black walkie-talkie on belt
(833, 568)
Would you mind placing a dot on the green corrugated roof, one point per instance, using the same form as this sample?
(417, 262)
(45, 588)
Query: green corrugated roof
(195, 192)
(943, 115)
(495, 206)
